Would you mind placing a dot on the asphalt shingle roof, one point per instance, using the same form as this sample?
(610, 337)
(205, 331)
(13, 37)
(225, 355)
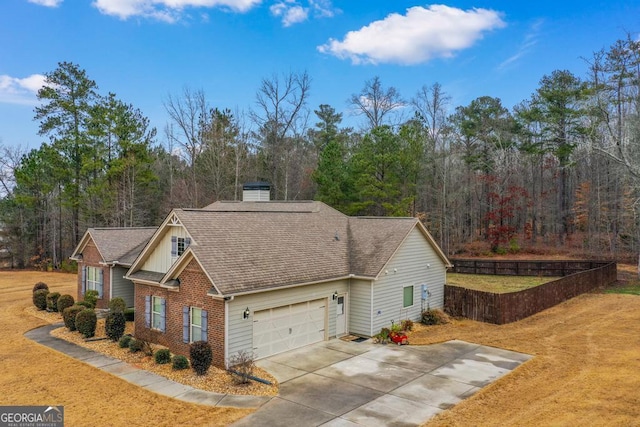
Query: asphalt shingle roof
(121, 245)
(249, 246)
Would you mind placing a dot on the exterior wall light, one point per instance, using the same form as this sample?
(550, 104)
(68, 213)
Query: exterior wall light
(246, 313)
(335, 295)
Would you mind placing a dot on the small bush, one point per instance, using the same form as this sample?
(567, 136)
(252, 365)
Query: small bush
(162, 356)
(91, 297)
(242, 365)
(52, 301)
(124, 341)
(114, 325)
(86, 322)
(84, 304)
(40, 299)
(69, 316)
(69, 266)
(40, 285)
(135, 345)
(147, 348)
(180, 362)
(201, 356)
(117, 305)
(65, 301)
(129, 314)
(434, 317)
(407, 325)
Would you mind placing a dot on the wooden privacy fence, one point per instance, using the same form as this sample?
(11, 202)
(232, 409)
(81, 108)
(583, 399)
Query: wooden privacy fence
(510, 307)
(523, 268)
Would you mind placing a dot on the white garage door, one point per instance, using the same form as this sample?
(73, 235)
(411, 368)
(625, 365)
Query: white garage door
(291, 326)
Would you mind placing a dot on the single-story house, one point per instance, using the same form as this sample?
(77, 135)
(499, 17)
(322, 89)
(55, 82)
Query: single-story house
(269, 276)
(104, 255)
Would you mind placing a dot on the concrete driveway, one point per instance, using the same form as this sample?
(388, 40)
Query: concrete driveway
(339, 383)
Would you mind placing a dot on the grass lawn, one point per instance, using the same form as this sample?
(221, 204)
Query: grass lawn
(496, 284)
(585, 369)
(31, 374)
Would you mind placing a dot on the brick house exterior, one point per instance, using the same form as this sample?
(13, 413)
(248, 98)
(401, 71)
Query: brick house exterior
(104, 255)
(193, 295)
(266, 277)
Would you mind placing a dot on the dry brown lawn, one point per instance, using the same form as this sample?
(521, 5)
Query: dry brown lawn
(31, 374)
(586, 369)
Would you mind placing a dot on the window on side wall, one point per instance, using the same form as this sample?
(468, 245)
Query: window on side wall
(93, 280)
(407, 296)
(157, 313)
(195, 322)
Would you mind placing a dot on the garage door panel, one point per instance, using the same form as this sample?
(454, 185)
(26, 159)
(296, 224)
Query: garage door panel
(280, 329)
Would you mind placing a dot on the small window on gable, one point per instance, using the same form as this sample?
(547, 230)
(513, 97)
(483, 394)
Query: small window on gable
(178, 246)
(407, 296)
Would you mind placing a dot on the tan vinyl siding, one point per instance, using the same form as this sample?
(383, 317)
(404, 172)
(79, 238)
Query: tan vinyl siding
(415, 263)
(240, 333)
(160, 259)
(120, 286)
(360, 307)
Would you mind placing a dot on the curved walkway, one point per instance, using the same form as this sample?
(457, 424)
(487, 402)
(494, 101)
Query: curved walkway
(140, 377)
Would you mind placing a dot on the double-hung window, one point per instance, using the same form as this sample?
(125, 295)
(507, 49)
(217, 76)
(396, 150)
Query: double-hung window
(92, 279)
(178, 246)
(155, 311)
(194, 324)
(407, 296)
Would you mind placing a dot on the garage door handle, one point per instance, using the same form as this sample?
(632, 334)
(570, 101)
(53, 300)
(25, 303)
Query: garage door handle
(290, 331)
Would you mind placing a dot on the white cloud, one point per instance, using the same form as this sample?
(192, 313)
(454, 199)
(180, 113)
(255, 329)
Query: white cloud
(530, 40)
(14, 90)
(290, 12)
(166, 10)
(48, 3)
(293, 12)
(417, 37)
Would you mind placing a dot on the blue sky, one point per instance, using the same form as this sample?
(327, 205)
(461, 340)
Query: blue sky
(144, 50)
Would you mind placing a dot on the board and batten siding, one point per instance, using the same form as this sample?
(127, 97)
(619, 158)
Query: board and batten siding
(360, 300)
(415, 263)
(121, 287)
(240, 330)
(160, 259)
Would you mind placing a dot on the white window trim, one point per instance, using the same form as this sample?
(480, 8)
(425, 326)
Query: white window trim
(156, 315)
(93, 280)
(193, 325)
(413, 296)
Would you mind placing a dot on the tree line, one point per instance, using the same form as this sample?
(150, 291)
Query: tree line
(562, 167)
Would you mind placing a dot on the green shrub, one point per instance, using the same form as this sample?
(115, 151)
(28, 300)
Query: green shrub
(69, 316)
(135, 345)
(65, 301)
(40, 299)
(117, 305)
(201, 356)
(114, 325)
(91, 297)
(180, 362)
(163, 356)
(84, 304)
(129, 314)
(434, 317)
(69, 266)
(86, 322)
(125, 340)
(40, 285)
(52, 301)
